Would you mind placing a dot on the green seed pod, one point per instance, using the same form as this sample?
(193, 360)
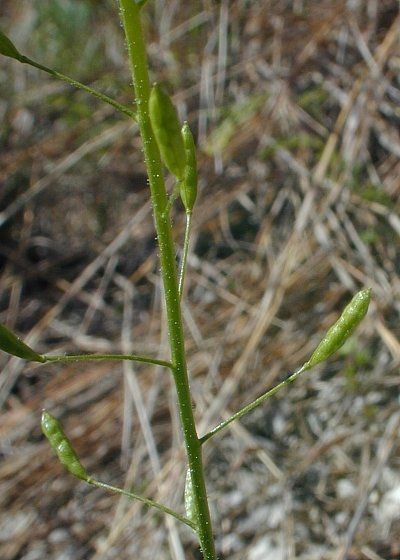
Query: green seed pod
(11, 344)
(166, 128)
(337, 335)
(188, 186)
(7, 48)
(190, 507)
(53, 431)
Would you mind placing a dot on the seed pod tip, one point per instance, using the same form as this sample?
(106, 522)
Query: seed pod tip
(188, 186)
(53, 431)
(12, 344)
(339, 332)
(7, 47)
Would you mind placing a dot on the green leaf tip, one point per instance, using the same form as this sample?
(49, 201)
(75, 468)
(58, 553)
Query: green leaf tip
(140, 3)
(344, 327)
(55, 435)
(10, 343)
(7, 48)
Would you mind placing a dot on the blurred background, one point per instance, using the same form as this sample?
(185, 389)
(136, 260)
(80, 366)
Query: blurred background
(295, 107)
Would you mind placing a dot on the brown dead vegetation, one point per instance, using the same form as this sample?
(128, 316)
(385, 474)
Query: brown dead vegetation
(296, 107)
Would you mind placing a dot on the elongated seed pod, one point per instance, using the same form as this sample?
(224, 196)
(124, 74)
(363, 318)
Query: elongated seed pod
(53, 431)
(7, 47)
(11, 344)
(167, 131)
(190, 507)
(340, 331)
(188, 185)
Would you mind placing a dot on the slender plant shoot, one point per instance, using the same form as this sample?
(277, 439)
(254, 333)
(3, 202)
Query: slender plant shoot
(167, 146)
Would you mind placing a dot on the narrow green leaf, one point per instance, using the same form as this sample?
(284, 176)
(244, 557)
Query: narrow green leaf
(340, 331)
(140, 3)
(7, 48)
(11, 344)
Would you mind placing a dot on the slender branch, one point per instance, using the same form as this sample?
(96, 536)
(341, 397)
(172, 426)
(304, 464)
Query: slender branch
(186, 242)
(251, 406)
(121, 108)
(106, 357)
(146, 501)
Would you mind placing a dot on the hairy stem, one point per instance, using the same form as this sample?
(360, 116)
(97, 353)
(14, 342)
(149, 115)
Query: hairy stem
(121, 108)
(106, 357)
(185, 252)
(146, 501)
(251, 406)
(130, 13)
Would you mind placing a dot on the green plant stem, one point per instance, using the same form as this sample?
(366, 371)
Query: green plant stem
(130, 13)
(186, 242)
(257, 402)
(121, 108)
(106, 357)
(146, 501)
(172, 197)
